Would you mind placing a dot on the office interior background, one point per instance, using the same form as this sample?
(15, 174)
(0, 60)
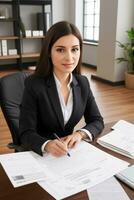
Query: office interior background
(116, 16)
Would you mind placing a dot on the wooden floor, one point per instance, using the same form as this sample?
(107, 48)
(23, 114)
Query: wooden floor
(114, 103)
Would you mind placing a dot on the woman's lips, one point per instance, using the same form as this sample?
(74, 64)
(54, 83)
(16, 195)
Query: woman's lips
(68, 64)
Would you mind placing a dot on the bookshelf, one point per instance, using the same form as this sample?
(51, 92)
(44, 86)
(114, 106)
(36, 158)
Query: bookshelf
(18, 41)
(9, 57)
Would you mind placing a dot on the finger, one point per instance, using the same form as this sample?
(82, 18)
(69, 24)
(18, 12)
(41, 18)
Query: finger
(75, 144)
(71, 143)
(62, 146)
(58, 151)
(63, 138)
(54, 149)
(67, 140)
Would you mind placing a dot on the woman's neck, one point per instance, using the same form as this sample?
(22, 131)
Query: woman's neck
(63, 78)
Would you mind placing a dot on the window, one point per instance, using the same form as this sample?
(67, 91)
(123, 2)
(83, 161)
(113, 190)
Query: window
(91, 16)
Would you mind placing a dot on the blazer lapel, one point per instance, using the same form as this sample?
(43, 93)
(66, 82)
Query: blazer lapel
(54, 99)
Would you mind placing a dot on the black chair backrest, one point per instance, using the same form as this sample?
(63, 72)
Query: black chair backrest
(11, 92)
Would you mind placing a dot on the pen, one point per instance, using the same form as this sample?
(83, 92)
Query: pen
(60, 141)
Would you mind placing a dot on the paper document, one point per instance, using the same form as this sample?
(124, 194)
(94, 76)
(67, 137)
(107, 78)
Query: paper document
(121, 139)
(127, 176)
(21, 168)
(86, 167)
(108, 190)
(123, 125)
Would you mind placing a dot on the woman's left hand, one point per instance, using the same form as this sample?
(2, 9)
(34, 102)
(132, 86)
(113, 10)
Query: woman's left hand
(73, 140)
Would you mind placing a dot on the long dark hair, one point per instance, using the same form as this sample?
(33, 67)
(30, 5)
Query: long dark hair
(60, 29)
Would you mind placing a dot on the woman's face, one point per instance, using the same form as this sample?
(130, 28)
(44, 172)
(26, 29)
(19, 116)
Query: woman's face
(65, 54)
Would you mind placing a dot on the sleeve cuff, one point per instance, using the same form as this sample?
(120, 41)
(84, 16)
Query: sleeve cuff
(89, 135)
(43, 146)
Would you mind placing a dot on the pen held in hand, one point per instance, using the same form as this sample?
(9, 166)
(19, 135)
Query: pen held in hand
(60, 141)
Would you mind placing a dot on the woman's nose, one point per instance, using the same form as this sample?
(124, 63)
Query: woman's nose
(68, 55)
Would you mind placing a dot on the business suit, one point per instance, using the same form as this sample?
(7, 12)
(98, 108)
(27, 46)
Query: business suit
(41, 113)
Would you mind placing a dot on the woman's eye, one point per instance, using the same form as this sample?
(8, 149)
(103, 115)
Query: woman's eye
(75, 49)
(60, 50)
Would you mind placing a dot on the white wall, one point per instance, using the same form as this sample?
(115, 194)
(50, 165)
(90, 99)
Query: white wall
(61, 10)
(114, 21)
(107, 38)
(90, 54)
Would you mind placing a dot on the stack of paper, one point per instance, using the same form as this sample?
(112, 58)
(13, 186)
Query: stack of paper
(22, 168)
(86, 167)
(121, 139)
(64, 176)
(103, 191)
(127, 176)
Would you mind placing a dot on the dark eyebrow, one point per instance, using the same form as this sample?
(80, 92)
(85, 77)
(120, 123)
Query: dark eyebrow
(65, 47)
(60, 46)
(76, 45)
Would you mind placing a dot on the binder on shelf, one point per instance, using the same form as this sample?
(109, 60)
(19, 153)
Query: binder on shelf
(120, 140)
(36, 33)
(4, 47)
(44, 21)
(12, 52)
(4, 13)
(0, 49)
(40, 32)
(28, 33)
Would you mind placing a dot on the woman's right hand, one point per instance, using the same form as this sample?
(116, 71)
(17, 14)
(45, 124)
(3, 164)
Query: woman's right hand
(56, 148)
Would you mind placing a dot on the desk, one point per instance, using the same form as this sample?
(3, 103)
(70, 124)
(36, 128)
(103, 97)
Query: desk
(35, 192)
(107, 129)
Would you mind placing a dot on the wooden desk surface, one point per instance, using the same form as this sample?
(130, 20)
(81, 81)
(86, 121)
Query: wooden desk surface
(35, 192)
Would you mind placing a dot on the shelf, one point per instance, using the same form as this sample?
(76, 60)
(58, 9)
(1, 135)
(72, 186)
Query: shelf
(5, 2)
(9, 57)
(16, 40)
(8, 20)
(30, 55)
(34, 37)
(36, 2)
(9, 37)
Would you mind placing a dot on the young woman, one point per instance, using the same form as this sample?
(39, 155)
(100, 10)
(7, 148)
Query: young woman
(57, 96)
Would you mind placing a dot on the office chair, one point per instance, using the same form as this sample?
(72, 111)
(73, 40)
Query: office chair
(11, 91)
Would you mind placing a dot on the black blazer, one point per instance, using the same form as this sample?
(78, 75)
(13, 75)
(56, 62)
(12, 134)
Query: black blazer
(41, 113)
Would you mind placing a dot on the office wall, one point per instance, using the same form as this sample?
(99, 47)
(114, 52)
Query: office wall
(61, 10)
(106, 48)
(114, 21)
(90, 54)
